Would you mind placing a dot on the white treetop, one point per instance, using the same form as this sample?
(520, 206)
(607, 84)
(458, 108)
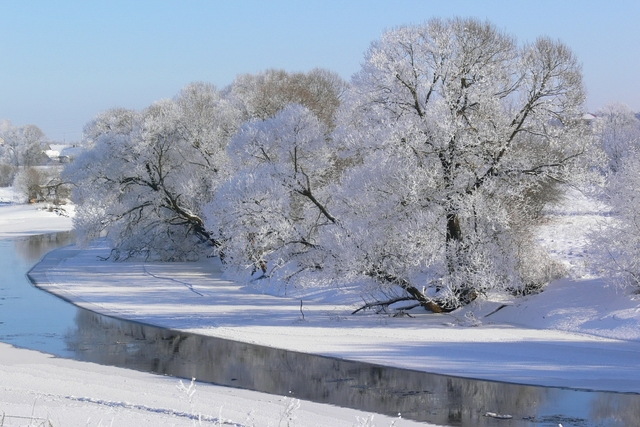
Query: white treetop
(456, 133)
(273, 207)
(146, 175)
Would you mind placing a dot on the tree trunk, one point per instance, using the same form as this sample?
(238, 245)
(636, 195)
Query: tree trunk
(413, 292)
(453, 238)
(454, 232)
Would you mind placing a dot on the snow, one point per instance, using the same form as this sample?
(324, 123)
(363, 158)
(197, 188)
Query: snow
(18, 220)
(58, 150)
(578, 333)
(36, 389)
(40, 389)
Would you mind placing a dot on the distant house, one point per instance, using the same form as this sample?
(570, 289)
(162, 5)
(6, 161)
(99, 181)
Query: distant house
(589, 118)
(52, 155)
(70, 152)
(63, 153)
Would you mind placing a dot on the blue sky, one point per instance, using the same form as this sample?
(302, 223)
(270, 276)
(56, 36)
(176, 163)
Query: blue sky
(62, 62)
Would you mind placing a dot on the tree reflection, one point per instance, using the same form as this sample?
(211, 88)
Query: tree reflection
(416, 395)
(33, 248)
(616, 409)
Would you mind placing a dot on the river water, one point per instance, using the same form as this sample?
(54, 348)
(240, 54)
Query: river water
(31, 318)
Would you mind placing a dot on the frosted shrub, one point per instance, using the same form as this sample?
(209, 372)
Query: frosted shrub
(616, 245)
(7, 174)
(39, 184)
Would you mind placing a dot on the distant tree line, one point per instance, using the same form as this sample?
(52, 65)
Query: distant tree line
(24, 164)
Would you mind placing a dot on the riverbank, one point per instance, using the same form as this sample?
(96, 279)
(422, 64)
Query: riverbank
(38, 389)
(578, 333)
(20, 220)
(33, 219)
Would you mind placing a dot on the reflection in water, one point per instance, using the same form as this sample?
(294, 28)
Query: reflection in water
(35, 319)
(31, 249)
(624, 409)
(420, 396)
(29, 317)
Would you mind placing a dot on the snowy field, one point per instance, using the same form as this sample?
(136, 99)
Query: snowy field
(578, 333)
(39, 390)
(19, 220)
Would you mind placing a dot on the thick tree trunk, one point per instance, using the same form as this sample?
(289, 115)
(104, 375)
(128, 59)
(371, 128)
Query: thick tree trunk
(413, 292)
(453, 238)
(454, 232)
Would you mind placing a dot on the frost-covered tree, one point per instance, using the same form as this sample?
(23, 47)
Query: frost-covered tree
(269, 214)
(22, 146)
(618, 130)
(264, 94)
(42, 184)
(456, 134)
(7, 174)
(616, 245)
(145, 175)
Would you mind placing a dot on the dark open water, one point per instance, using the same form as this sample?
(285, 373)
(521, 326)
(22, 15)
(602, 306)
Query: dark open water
(34, 319)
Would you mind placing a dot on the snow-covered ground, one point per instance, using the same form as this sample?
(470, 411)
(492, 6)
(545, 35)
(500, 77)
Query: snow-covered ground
(17, 220)
(39, 390)
(578, 333)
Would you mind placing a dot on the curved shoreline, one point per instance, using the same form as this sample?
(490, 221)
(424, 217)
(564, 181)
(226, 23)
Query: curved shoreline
(229, 311)
(339, 382)
(37, 275)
